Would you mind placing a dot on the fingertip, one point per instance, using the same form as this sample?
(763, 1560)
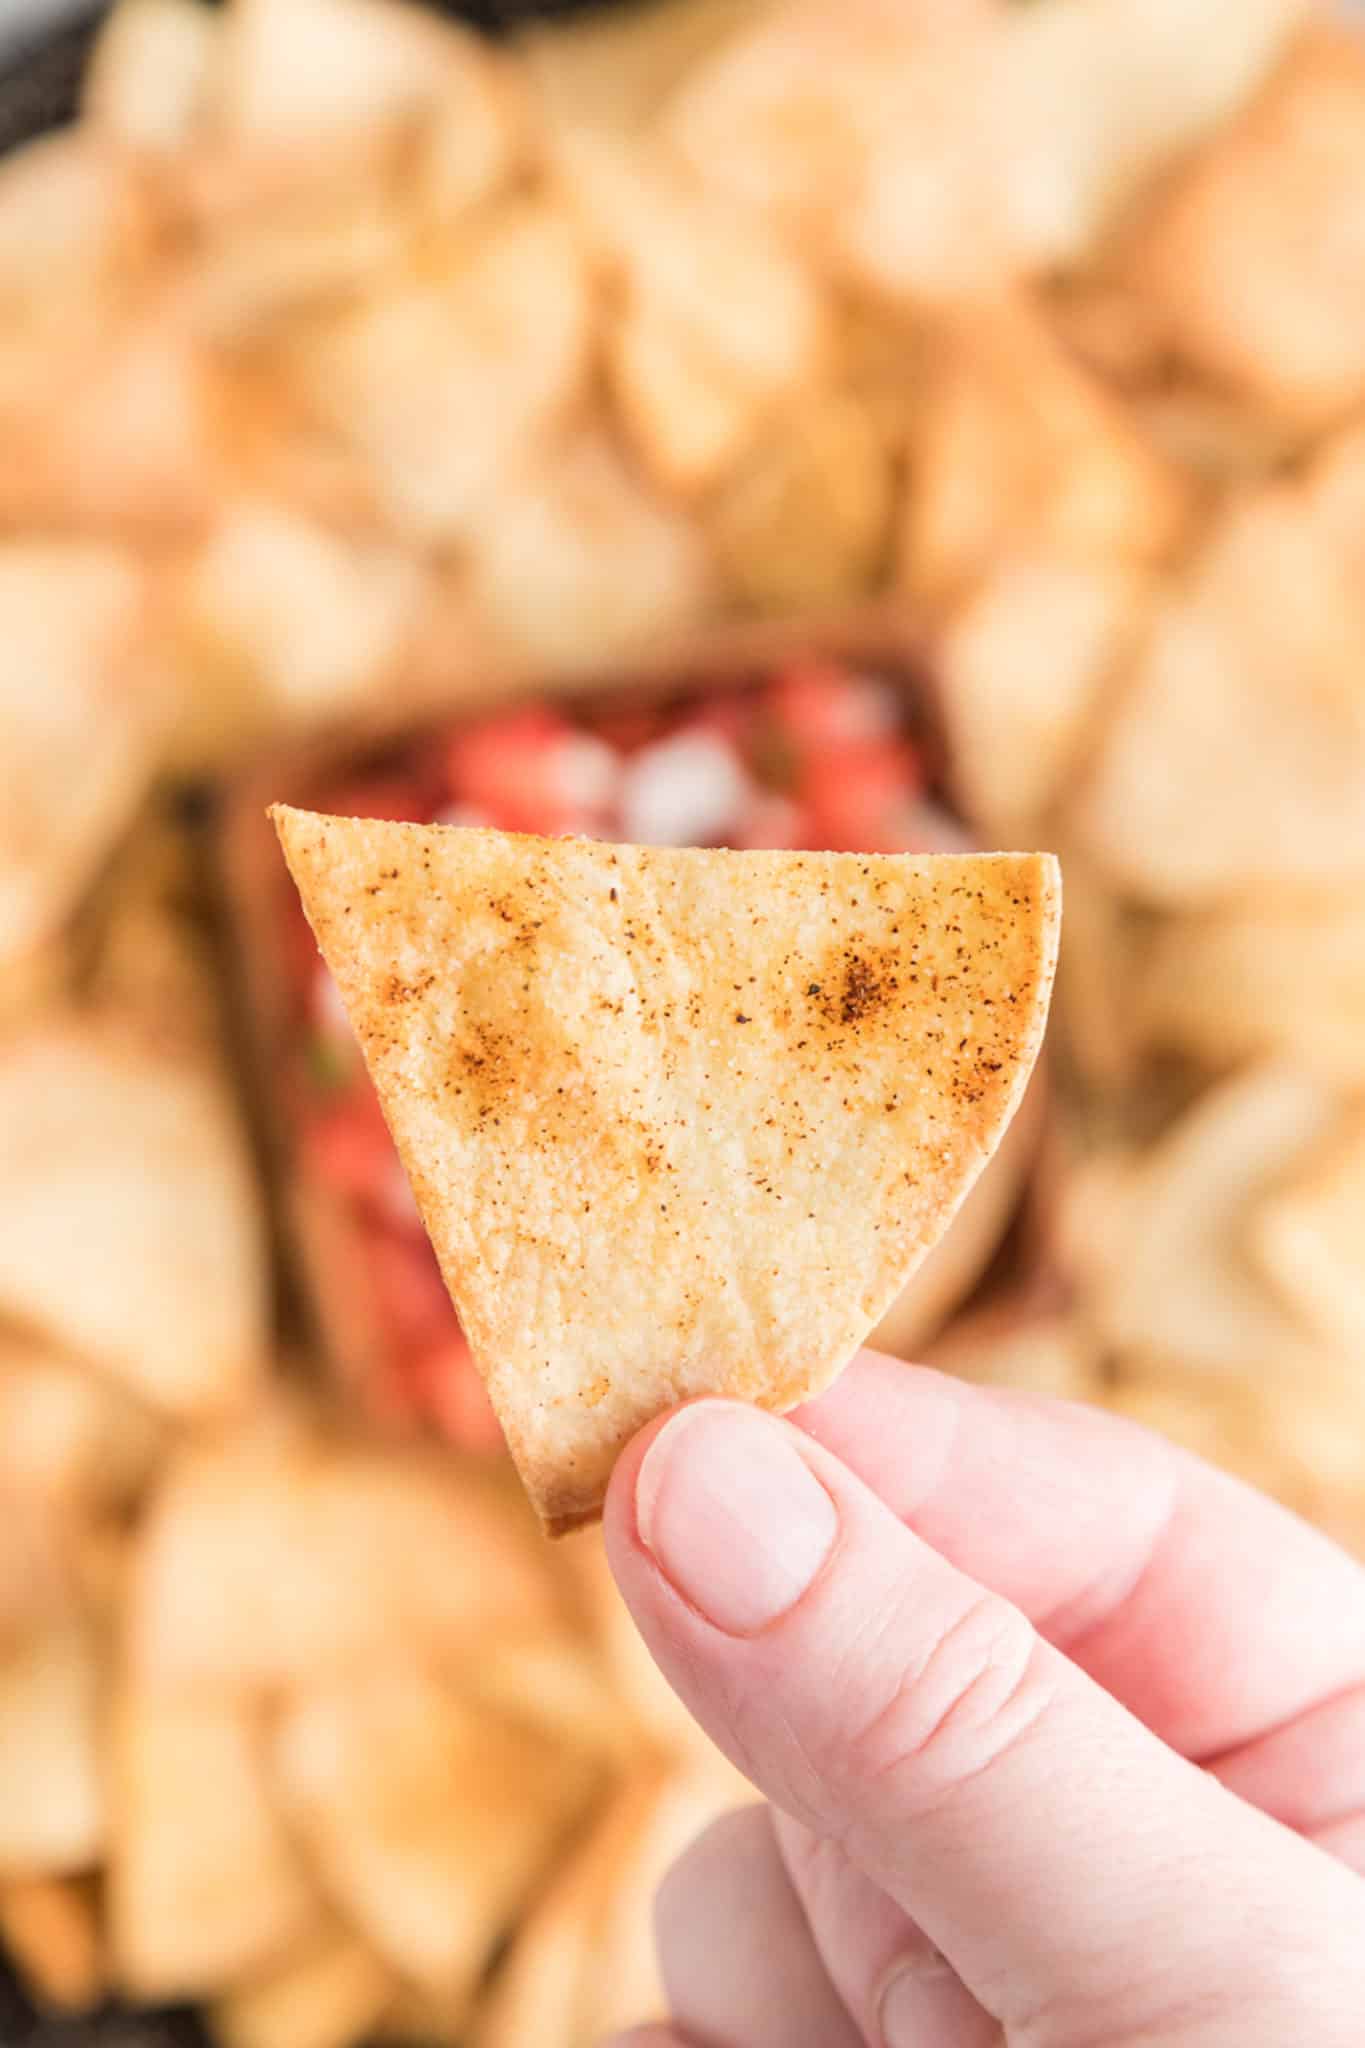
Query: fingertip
(739, 1843)
(731, 1514)
(620, 1527)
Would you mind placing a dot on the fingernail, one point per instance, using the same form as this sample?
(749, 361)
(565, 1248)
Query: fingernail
(732, 1514)
(926, 2000)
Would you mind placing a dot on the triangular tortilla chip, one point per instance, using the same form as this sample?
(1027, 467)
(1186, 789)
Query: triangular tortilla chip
(130, 1226)
(678, 1122)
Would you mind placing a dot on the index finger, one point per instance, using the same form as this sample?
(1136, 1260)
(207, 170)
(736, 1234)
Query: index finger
(1212, 1613)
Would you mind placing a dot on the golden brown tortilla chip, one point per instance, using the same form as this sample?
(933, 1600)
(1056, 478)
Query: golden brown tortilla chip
(52, 1804)
(70, 615)
(130, 1231)
(1309, 1235)
(50, 1928)
(1252, 253)
(327, 1997)
(624, 1986)
(204, 1885)
(1026, 661)
(427, 1819)
(1163, 1244)
(1279, 974)
(324, 1558)
(678, 1122)
(1234, 759)
(583, 1964)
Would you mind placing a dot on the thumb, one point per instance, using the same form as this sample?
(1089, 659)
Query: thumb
(1083, 1881)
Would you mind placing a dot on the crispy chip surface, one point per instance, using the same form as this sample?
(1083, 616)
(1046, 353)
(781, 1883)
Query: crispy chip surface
(678, 1122)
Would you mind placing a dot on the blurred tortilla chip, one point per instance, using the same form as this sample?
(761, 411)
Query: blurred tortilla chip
(328, 1996)
(1255, 255)
(272, 445)
(1235, 758)
(477, 136)
(538, 1986)
(879, 354)
(306, 76)
(582, 1964)
(204, 1885)
(614, 69)
(51, 1930)
(868, 135)
(1098, 101)
(1101, 978)
(1300, 1443)
(300, 623)
(290, 263)
(414, 2015)
(731, 289)
(325, 1558)
(1335, 489)
(1107, 325)
(660, 1820)
(158, 1276)
(69, 1437)
(1020, 450)
(82, 721)
(645, 1698)
(53, 1818)
(545, 1988)
(1278, 974)
(426, 1819)
(806, 520)
(1025, 661)
(120, 440)
(554, 1683)
(148, 80)
(686, 416)
(1009, 1345)
(459, 370)
(1310, 1234)
(1217, 437)
(1164, 1250)
(73, 226)
(577, 563)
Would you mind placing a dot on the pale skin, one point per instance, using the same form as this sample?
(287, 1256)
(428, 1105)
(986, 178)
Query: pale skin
(1061, 1732)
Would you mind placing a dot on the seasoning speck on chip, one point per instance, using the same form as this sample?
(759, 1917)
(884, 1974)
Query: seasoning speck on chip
(636, 1198)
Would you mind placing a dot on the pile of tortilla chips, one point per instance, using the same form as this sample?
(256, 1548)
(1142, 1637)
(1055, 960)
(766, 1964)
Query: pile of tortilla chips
(347, 362)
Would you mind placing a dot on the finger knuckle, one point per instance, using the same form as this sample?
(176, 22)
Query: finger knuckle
(957, 1711)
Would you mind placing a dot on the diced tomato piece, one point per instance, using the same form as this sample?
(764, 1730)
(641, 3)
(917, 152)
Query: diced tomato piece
(512, 769)
(348, 1149)
(301, 958)
(730, 716)
(410, 1298)
(388, 1394)
(850, 792)
(453, 1396)
(773, 821)
(822, 704)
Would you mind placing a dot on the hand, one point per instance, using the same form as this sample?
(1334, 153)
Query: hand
(1063, 1732)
